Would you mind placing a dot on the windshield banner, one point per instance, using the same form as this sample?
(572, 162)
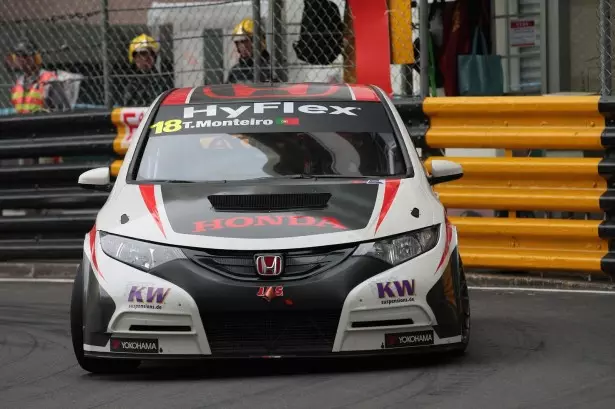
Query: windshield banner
(294, 116)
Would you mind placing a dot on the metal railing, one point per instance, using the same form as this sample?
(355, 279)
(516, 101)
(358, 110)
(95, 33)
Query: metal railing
(43, 213)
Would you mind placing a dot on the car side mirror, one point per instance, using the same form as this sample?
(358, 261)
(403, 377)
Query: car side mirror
(96, 179)
(444, 171)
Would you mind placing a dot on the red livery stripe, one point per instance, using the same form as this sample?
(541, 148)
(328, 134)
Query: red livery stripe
(149, 198)
(93, 250)
(177, 97)
(447, 244)
(390, 190)
(363, 93)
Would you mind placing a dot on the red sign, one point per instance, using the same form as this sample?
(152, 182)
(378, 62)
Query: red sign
(126, 121)
(522, 23)
(132, 121)
(523, 33)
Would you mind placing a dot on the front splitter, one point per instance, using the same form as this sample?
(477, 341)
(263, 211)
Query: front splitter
(435, 349)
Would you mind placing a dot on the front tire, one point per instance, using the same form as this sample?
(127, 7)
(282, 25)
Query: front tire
(93, 365)
(465, 316)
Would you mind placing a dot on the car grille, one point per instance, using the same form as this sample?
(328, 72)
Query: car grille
(271, 333)
(297, 263)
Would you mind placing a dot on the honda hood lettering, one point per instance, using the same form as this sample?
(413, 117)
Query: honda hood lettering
(183, 215)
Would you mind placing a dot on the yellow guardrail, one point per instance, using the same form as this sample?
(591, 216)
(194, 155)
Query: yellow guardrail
(548, 184)
(531, 244)
(115, 167)
(564, 184)
(542, 122)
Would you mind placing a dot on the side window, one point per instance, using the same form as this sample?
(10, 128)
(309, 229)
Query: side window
(389, 146)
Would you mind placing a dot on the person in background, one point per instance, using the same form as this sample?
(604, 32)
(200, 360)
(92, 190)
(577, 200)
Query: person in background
(146, 82)
(36, 89)
(243, 70)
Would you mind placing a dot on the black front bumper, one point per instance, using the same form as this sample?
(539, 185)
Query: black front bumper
(303, 321)
(237, 321)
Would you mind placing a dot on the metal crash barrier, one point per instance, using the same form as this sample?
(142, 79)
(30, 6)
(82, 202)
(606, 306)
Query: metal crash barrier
(535, 184)
(501, 185)
(44, 214)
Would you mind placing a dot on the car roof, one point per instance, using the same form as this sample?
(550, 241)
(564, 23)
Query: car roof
(270, 92)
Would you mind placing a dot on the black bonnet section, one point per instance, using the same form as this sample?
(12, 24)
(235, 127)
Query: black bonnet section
(269, 210)
(269, 202)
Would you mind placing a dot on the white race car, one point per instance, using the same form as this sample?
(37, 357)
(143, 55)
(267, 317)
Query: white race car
(285, 220)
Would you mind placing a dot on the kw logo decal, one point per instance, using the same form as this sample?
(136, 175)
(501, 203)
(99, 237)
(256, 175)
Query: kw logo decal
(393, 292)
(153, 299)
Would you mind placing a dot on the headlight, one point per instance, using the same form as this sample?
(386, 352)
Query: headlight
(138, 254)
(401, 248)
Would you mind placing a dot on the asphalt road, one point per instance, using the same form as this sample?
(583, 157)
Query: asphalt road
(528, 350)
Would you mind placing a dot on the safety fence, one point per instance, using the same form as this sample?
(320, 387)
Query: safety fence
(88, 42)
(545, 213)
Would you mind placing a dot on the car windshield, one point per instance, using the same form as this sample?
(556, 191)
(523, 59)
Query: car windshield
(185, 146)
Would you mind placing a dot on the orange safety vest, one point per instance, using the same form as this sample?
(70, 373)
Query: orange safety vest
(33, 99)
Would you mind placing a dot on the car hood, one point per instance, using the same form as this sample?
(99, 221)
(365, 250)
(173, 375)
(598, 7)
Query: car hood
(285, 214)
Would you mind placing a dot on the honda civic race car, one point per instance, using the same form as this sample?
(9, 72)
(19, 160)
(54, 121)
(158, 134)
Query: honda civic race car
(286, 220)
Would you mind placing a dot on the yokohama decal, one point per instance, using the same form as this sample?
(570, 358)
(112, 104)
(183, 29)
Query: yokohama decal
(149, 197)
(93, 249)
(390, 191)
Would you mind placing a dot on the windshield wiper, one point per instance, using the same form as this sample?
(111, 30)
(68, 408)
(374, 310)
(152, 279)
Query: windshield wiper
(167, 181)
(308, 176)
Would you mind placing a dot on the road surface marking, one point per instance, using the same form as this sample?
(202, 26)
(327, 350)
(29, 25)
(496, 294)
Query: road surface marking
(543, 290)
(36, 280)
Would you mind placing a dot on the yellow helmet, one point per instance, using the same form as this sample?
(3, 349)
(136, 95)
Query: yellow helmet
(142, 42)
(245, 30)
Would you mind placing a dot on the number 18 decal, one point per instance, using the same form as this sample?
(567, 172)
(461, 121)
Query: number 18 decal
(172, 125)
